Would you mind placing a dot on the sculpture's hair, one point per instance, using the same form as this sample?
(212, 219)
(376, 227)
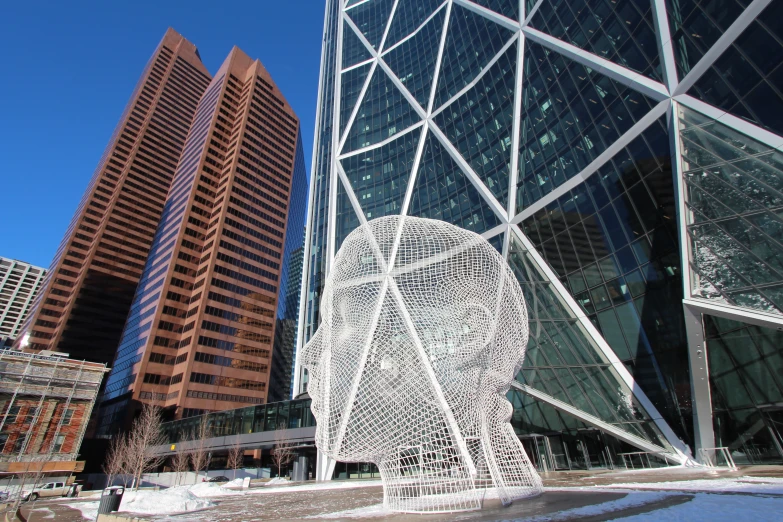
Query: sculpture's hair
(423, 328)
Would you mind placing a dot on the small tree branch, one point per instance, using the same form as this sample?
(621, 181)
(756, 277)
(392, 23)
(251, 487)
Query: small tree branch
(236, 457)
(283, 453)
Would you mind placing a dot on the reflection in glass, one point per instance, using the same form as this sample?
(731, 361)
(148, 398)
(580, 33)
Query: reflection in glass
(746, 385)
(570, 115)
(734, 193)
(622, 32)
(612, 241)
(562, 360)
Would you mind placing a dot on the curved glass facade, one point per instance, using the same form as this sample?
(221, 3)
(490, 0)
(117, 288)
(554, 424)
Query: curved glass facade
(599, 147)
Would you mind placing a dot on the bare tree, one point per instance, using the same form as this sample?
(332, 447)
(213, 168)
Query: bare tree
(126, 460)
(180, 462)
(198, 455)
(145, 435)
(236, 457)
(120, 460)
(113, 464)
(283, 453)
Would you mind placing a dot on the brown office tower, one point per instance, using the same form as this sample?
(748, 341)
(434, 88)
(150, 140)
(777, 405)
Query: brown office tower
(88, 290)
(199, 334)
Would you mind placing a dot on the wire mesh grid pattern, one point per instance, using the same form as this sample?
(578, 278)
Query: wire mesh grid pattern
(423, 329)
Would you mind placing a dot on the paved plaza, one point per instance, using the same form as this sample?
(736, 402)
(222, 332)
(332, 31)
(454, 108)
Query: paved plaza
(753, 493)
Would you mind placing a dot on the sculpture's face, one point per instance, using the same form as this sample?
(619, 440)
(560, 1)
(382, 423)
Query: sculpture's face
(444, 328)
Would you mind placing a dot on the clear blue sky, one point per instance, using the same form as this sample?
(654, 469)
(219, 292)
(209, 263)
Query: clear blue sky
(70, 66)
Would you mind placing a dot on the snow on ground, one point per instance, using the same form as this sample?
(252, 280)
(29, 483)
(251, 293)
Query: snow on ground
(42, 513)
(318, 486)
(717, 508)
(275, 481)
(211, 489)
(374, 511)
(633, 499)
(173, 500)
(708, 503)
(771, 485)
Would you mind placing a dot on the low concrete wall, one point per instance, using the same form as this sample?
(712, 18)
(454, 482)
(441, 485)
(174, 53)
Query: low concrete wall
(97, 481)
(174, 479)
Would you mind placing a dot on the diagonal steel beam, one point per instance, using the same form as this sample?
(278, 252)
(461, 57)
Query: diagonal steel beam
(600, 424)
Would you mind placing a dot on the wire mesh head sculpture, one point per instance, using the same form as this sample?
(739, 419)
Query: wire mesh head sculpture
(423, 328)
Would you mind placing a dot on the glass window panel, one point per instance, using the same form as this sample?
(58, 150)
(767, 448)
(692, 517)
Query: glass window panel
(609, 268)
(480, 124)
(560, 94)
(379, 177)
(383, 112)
(612, 333)
(414, 60)
(744, 80)
(509, 8)
(696, 26)
(471, 43)
(443, 192)
(408, 16)
(352, 83)
(371, 18)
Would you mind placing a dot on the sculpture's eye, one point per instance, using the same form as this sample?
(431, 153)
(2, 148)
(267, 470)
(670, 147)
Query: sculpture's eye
(389, 365)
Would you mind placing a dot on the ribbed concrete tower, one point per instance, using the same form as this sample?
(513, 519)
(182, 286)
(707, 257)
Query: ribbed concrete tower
(88, 290)
(200, 333)
(20, 282)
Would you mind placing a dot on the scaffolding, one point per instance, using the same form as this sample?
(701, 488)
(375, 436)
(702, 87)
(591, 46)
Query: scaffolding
(45, 404)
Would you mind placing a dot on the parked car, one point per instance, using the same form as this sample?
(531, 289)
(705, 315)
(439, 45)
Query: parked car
(50, 489)
(220, 478)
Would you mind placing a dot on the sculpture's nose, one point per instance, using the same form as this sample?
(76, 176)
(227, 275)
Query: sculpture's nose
(311, 352)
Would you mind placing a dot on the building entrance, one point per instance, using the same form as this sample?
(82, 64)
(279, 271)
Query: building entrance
(584, 449)
(761, 442)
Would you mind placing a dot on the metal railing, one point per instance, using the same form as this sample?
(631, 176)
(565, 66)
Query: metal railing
(712, 457)
(645, 460)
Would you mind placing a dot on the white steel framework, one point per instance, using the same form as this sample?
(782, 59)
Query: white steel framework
(670, 94)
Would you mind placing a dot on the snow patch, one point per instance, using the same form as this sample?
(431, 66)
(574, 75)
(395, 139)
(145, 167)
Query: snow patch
(376, 510)
(764, 485)
(169, 501)
(275, 481)
(47, 513)
(318, 486)
(89, 510)
(210, 489)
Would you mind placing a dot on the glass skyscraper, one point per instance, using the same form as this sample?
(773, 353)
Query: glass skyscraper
(625, 158)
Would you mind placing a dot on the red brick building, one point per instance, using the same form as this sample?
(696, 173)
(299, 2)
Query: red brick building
(45, 405)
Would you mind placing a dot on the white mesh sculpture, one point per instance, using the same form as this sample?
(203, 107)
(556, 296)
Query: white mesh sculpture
(423, 328)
